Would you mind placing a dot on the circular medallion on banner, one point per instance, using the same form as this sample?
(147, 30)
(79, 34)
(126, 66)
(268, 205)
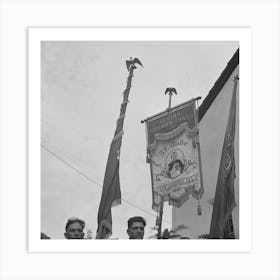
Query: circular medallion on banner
(174, 164)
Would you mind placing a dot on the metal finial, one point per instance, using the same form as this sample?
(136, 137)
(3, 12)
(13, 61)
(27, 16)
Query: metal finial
(131, 62)
(170, 91)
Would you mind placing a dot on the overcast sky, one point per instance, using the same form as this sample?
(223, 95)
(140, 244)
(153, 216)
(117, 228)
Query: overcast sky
(82, 85)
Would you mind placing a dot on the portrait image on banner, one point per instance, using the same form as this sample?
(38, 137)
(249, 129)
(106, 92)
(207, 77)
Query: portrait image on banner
(174, 155)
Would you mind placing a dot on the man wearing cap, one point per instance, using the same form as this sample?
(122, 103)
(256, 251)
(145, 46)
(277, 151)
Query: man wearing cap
(74, 228)
(136, 227)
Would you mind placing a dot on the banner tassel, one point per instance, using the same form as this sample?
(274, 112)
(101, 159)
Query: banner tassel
(199, 212)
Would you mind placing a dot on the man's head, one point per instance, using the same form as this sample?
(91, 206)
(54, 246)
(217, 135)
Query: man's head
(135, 227)
(74, 228)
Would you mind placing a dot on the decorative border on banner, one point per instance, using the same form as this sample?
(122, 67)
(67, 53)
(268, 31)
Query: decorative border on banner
(172, 134)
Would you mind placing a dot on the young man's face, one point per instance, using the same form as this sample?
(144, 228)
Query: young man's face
(74, 231)
(136, 231)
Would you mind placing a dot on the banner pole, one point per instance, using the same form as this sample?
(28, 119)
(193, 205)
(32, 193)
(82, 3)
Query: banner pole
(170, 92)
(169, 110)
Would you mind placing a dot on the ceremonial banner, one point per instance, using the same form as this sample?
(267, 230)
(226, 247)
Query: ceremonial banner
(224, 201)
(174, 155)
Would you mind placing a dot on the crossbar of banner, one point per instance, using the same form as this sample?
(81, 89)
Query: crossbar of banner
(171, 109)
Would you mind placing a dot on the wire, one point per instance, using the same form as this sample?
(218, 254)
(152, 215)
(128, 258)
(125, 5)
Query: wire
(95, 182)
(69, 165)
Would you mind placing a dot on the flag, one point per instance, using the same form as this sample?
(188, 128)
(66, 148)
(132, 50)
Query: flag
(111, 193)
(224, 201)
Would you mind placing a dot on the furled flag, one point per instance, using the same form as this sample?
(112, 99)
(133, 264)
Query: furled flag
(224, 201)
(111, 193)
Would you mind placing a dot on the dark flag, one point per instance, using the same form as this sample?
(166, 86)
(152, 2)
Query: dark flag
(224, 201)
(111, 193)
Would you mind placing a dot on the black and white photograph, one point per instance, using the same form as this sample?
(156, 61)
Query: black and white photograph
(117, 119)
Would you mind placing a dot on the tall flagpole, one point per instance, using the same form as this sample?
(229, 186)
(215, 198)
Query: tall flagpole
(111, 193)
(130, 64)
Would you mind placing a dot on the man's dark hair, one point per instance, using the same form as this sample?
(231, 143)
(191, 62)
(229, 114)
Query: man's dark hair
(74, 220)
(136, 219)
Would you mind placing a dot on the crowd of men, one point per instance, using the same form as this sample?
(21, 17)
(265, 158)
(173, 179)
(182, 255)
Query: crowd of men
(74, 228)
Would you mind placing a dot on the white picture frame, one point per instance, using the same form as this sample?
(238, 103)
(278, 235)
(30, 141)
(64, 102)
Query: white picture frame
(17, 239)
